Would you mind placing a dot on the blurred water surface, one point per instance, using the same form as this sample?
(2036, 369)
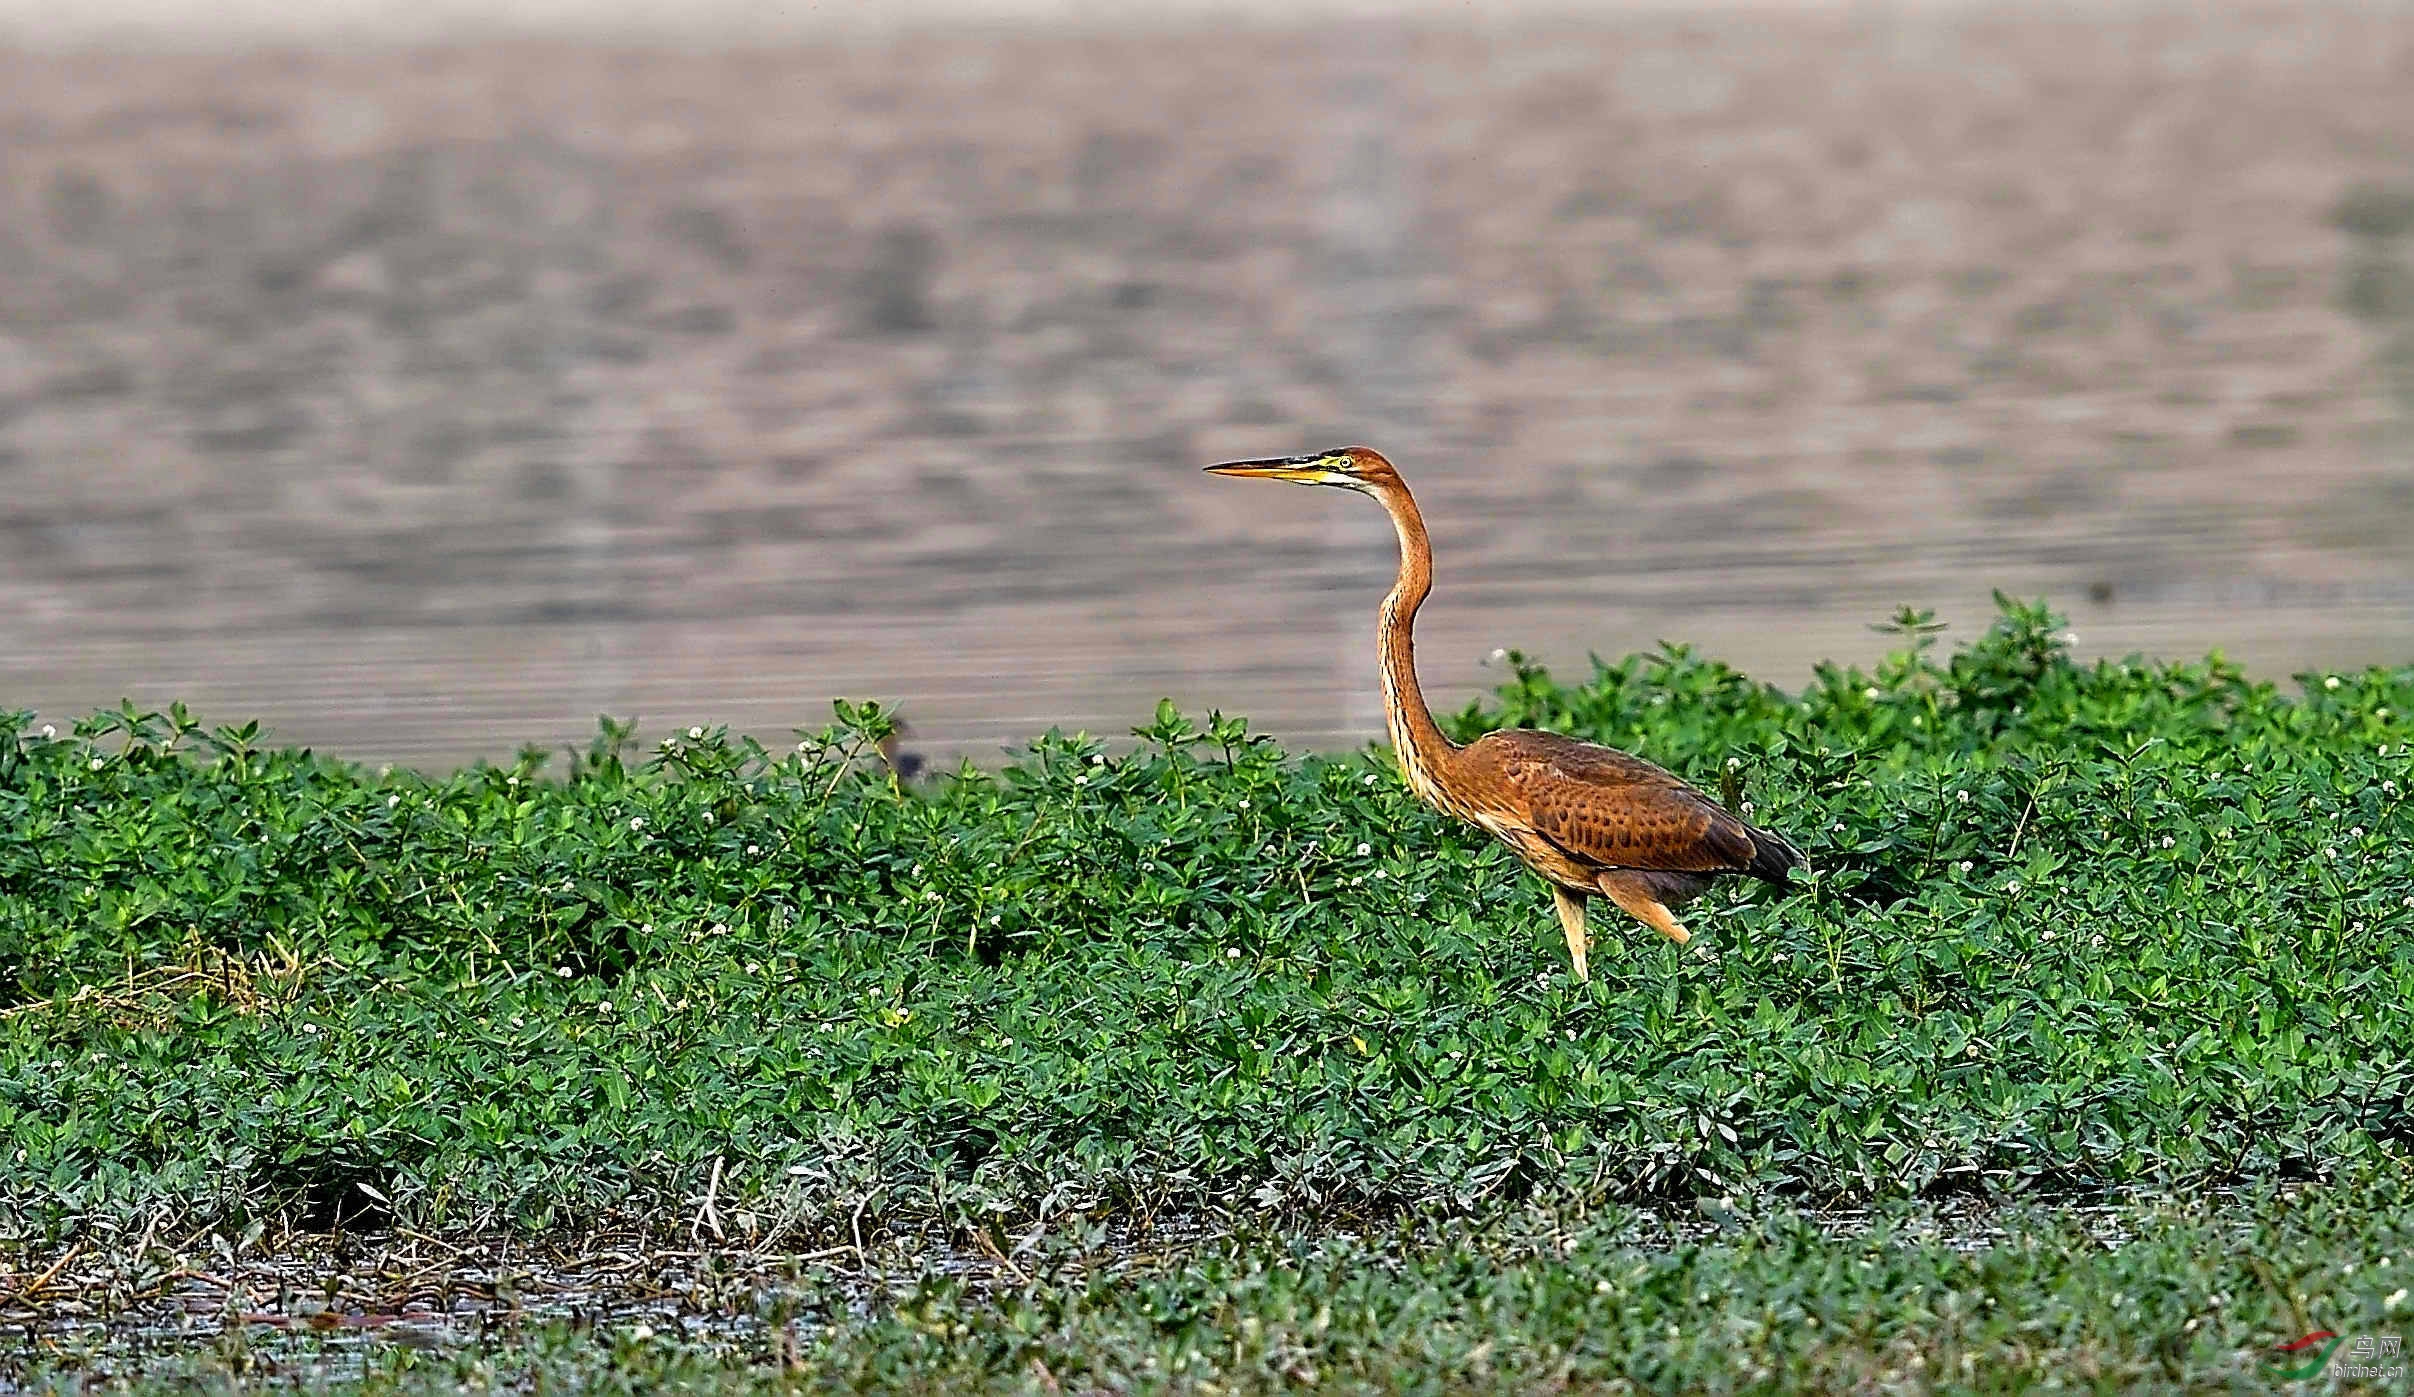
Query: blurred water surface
(428, 401)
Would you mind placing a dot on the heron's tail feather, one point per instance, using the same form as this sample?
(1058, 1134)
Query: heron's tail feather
(1773, 858)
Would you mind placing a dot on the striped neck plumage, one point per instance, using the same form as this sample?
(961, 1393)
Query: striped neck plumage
(1415, 738)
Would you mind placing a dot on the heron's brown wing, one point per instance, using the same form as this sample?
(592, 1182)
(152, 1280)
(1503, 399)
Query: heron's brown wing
(1611, 810)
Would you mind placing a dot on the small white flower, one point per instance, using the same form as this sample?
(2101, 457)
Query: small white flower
(996, 920)
(1780, 958)
(803, 747)
(1363, 851)
(2330, 853)
(1244, 802)
(637, 822)
(1837, 827)
(2394, 1298)
(1097, 759)
(2096, 940)
(97, 763)
(2331, 682)
(647, 929)
(1379, 873)
(2167, 841)
(511, 780)
(49, 732)
(310, 1028)
(392, 801)
(1081, 780)
(1734, 763)
(694, 733)
(562, 970)
(1747, 807)
(1965, 865)
(720, 928)
(2356, 833)
(1963, 796)
(753, 849)
(2013, 886)
(2070, 637)
(1368, 779)
(2046, 935)
(1232, 953)
(603, 1006)
(2356, 930)
(1870, 693)
(1571, 1034)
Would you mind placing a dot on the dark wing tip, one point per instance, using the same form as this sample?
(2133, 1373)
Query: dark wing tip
(1772, 857)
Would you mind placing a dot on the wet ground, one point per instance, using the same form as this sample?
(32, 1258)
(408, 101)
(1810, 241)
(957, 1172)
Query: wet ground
(315, 1307)
(426, 403)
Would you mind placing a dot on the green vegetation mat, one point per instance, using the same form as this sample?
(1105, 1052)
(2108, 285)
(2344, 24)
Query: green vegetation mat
(2075, 932)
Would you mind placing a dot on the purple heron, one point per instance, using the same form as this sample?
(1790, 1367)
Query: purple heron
(1587, 818)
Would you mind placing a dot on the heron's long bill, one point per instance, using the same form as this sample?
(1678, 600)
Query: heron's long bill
(1307, 470)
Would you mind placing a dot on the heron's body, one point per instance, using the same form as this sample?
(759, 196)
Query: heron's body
(903, 765)
(1589, 819)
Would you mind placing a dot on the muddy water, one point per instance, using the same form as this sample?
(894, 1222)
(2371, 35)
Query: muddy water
(317, 1308)
(426, 404)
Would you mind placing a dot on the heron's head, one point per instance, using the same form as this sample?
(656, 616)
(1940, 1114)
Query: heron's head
(1350, 467)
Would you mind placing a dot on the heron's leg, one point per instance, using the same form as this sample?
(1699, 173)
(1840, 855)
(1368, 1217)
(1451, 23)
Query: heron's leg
(1571, 921)
(1635, 898)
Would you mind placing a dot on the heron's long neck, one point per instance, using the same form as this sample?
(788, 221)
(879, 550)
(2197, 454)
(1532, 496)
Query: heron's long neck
(1421, 748)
